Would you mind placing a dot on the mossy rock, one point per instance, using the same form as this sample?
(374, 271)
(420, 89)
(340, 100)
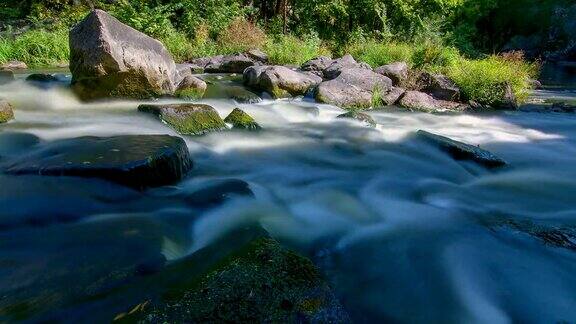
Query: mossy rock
(241, 120)
(259, 282)
(187, 119)
(359, 116)
(6, 112)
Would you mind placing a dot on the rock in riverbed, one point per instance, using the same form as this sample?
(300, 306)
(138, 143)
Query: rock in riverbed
(187, 119)
(234, 63)
(359, 116)
(110, 59)
(420, 101)
(279, 81)
(6, 112)
(346, 62)
(241, 120)
(462, 151)
(138, 161)
(354, 88)
(397, 72)
(216, 192)
(255, 280)
(439, 86)
(14, 65)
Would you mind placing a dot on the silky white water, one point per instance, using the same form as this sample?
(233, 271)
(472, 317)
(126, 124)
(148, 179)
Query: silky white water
(402, 232)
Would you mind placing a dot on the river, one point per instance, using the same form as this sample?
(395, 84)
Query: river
(402, 232)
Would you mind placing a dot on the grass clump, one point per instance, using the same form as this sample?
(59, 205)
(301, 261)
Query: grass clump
(240, 36)
(378, 53)
(36, 47)
(484, 80)
(288, 49)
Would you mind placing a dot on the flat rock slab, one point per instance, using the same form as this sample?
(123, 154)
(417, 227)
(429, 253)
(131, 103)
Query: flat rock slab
(138, 161)
(420, 101)
(187, 119)
(463, 151)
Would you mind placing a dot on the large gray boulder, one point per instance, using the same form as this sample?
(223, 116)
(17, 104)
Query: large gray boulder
(138, 161)
(317, 65)
(345, 62)
(233, 63)
(279, 81)
(6, 111)
(354, 88)
(420, 101)
(110, 59)
(439, 86)
(397, 72)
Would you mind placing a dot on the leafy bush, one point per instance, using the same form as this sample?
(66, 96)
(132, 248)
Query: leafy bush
(36, 48)
(288, 49)
(379, 53)
(484, 80)
(241, 35)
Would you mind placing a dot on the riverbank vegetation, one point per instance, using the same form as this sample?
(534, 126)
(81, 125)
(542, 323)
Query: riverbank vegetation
(448, 36)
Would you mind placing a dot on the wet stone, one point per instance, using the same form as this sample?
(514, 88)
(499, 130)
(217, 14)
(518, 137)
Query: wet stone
(463, 151)
(187, 119)
(138, 161)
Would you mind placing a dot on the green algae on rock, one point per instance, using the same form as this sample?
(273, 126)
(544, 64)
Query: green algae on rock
(359, 116)
(188, 118)
(241, 120)
(6, 112)
(258, 281)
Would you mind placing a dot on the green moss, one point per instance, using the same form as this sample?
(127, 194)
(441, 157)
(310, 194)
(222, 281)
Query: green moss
(190, 93)
(187, 119)
(260, 282)
(241, 120)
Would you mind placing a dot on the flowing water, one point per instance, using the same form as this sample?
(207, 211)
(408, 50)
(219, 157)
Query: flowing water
(401, 231)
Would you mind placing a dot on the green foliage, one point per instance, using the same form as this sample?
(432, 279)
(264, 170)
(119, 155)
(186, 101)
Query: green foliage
(484, 80)
(288, 49)
(36, 48)
(378, 53)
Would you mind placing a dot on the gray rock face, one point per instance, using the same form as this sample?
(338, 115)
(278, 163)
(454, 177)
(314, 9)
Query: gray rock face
(317, 65)
(187, 119)
(258, 55)
(14, 65)
(397, 72)
(110, 59)
(359, 116)
(279, 81)
(190, 86)
(6, 76)
(343, 63)
(392, 96)
(6, 111)
(138, 161)
(420, 101)
(353, 88)
(235, 63)
(439, 86)
(463, 151)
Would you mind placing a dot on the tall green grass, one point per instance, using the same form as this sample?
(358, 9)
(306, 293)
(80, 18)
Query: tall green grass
(37, 48)
(288, 49)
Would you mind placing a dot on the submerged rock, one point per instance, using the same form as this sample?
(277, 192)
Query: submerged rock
(217, 192)
(397, 72)
(420, 101)
(346, 62)
(439, 86)
(42, 77)
(279, 81)
(6, 76)
(187, 119)
(359, 116)
(6, 111)
(354, 88)
(138, 161)
(111, 59)
(255, 281)
(14, 143)
(241, 120)
(463, 151)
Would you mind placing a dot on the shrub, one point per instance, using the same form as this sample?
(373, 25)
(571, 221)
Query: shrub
(483, 80)
(288, 49)
(433, 56)
(36, 48)
(378, 53)
(240, 36)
